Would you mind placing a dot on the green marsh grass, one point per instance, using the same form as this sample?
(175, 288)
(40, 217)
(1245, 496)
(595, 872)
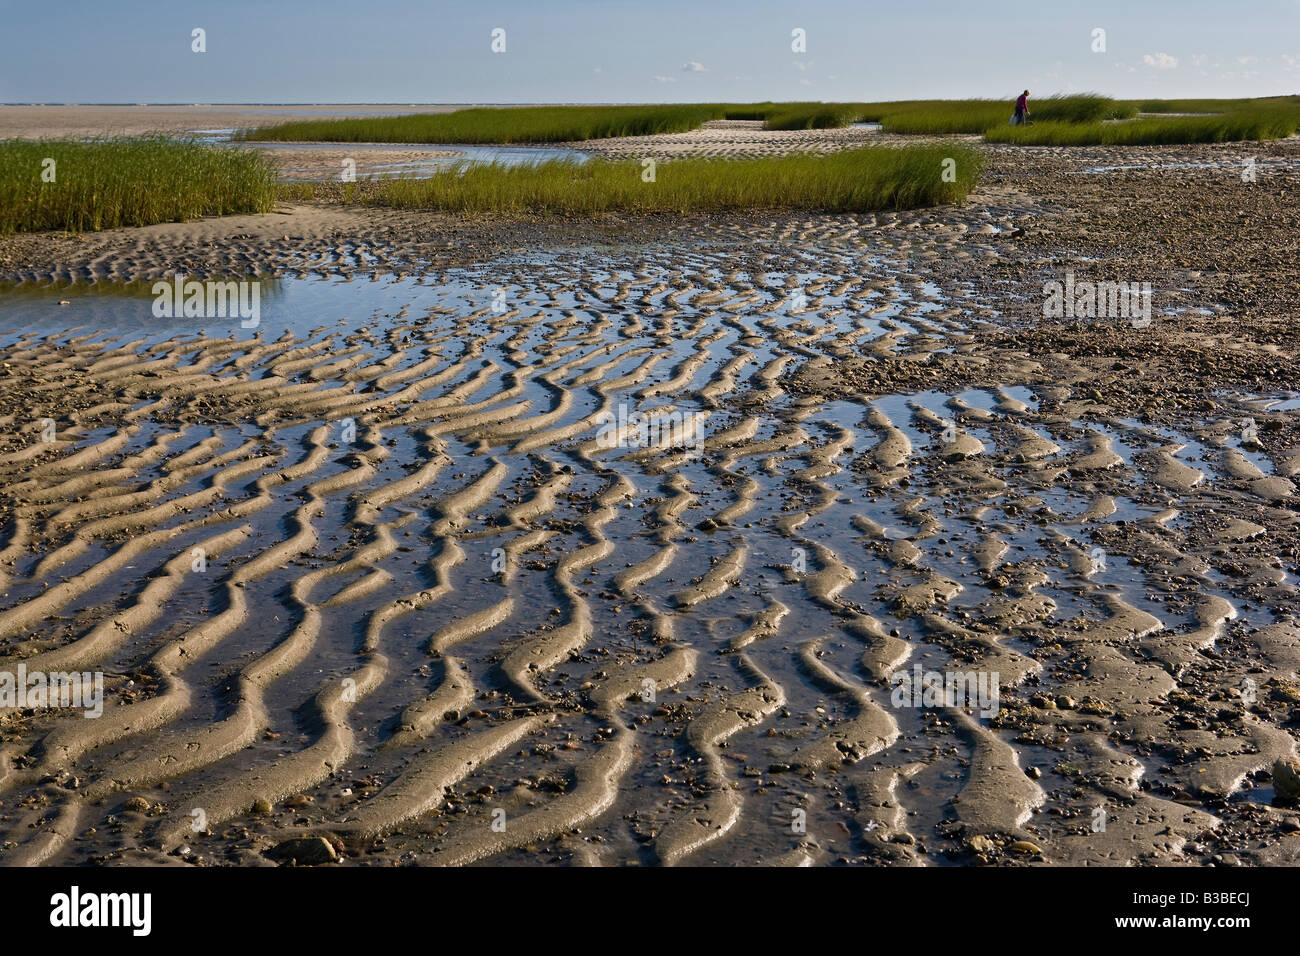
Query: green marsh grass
(1255, 124)
(937, 117)
(812, 116)
(748, 111)
(976, 116)
(966, 116)
(103, 184)
(855, 180)
(1194, 106)
(551, 124)
(1082, 113)
(525, 124)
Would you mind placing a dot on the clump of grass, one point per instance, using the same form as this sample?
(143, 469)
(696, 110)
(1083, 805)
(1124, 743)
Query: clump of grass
(1190, 106)
(296, 192)
(532, 124)
(812, 116)
(849, 181)
(1259, 123)
(103, 184)
(937, 117)
(1078, 108)
(748, 111)
(959, 116)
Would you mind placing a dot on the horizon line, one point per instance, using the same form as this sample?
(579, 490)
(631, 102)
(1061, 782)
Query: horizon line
(1262, 96)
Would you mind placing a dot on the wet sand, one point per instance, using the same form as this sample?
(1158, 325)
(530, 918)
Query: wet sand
(732, 139)
(474, 611)
(325, 163)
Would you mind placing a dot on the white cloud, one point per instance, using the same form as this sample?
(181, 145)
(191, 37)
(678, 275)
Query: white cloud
(665, 79)
(694, 66)
(1161, 61)
(1247, 60)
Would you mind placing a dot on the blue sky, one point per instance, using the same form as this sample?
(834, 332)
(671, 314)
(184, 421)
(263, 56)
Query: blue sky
(328, 51)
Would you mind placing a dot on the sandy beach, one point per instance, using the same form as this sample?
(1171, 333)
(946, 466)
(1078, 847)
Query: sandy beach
(370, 571)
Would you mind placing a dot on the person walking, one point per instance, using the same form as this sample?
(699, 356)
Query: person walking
(1022, 109)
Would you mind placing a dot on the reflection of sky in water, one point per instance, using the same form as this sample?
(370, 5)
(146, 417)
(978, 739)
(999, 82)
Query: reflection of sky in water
(427, 166)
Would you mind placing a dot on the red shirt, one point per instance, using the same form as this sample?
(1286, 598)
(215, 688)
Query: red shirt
(1022, 103)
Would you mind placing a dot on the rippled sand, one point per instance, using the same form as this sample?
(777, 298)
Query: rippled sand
(434, 598)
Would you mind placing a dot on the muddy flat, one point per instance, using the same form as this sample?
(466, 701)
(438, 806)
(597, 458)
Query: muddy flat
(642, 541)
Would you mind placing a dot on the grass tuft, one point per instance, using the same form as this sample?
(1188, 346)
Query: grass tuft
(813, 116)
(104, 184)
(976, 116)
(856, 180)
(1258, 123)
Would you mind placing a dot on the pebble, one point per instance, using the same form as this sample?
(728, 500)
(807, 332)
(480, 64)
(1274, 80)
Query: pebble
(980, 844)
(1286, 777)
(306, 851)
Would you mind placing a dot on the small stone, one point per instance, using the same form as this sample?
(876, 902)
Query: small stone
(1024, 846)
(980, 844)
(305, 851)
(136, 805)
(262, 806)
(1092, 705)
(1286, 778)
